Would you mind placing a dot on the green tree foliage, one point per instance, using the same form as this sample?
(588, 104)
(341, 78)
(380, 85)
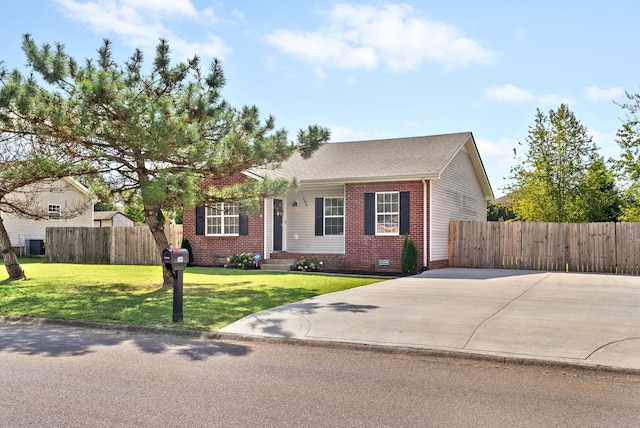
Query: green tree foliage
(499, 212)
(409, 256)
(135, 211)
(161, 133)
(628, 138)
(599, 197)
(561, 177)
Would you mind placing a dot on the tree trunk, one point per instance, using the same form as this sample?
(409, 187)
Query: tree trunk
(10, 260)
(157, 230)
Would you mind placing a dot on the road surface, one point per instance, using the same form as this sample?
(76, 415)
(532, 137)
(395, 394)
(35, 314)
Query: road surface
(63, 376)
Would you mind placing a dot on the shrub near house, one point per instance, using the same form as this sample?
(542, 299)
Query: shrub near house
(242, 261)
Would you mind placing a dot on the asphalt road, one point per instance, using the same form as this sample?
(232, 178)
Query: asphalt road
(61, 376)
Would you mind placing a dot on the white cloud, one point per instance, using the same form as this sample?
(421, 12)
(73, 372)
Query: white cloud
(514, 95)
(396, 36)
(499, 154)
(509, 94)
(141, 23)
(341, 134)
(553, 100)
(595, 93)
(498, 157)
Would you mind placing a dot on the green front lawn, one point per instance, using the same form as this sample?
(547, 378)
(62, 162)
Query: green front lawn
(213, 297)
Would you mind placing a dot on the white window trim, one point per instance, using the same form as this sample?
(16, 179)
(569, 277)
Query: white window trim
(54, 211)
(325, 216)
(222, 216)
(397, 213)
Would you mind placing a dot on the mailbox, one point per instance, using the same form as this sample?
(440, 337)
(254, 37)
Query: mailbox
(175, 259)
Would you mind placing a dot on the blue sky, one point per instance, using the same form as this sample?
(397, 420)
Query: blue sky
(371, 70)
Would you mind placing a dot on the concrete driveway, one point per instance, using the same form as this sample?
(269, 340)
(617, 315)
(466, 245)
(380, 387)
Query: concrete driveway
(570, 318)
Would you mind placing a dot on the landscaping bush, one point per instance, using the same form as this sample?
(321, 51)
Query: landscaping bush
(409, 257)
(308, 265)
(187, 245)
(241, 261)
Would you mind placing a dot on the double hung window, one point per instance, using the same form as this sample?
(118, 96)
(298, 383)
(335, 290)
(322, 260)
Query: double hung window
(333, 216)
(387, 213)
(222, 219)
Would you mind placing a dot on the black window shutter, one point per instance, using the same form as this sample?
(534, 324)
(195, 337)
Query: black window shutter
(369, 213)
(200, 220)
(404, 213)
(244, 225)
(319, 217)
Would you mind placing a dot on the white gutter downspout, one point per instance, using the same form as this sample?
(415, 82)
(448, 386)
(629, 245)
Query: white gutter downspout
(425, 258)
(264, 230)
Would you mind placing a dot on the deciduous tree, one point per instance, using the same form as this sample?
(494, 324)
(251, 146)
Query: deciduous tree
(628, 138)
(561, 173)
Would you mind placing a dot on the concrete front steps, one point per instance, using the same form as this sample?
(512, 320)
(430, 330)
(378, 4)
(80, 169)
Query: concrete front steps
(277, 265)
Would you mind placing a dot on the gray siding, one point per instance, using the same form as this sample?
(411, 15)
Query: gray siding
(457, 195)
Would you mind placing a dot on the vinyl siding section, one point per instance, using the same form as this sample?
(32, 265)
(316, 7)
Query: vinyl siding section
(300, 221)
(457, 195)
(20, 229)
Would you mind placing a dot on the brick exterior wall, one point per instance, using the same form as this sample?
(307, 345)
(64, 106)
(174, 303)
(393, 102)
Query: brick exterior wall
(362, 252)
(207, 248)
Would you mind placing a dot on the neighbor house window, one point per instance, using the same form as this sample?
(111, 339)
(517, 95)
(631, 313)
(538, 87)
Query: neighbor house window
(222, 219)
(54, 211)
(388, 213)
(334, 216)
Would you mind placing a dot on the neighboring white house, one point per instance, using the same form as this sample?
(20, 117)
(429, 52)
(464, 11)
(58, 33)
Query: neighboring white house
(111, 219)
(56, 199)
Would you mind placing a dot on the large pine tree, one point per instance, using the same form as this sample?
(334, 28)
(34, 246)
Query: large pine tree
(160, 133)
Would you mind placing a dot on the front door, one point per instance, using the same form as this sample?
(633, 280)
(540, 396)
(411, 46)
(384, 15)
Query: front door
(278, 211)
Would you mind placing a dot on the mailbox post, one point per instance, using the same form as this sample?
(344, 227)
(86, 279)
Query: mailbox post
(175, 260)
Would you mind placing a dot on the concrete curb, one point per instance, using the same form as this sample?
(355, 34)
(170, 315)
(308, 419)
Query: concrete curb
(401, 350)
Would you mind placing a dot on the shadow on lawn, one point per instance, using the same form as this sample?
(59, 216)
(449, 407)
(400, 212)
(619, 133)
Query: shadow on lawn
(204, 307)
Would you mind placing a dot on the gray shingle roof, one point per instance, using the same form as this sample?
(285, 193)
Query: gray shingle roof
(376, 160)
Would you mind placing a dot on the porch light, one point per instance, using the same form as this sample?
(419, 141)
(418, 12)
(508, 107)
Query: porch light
(294, 204)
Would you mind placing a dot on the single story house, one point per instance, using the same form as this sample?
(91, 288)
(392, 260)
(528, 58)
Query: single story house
(354, 205)
(55, 198)
(111, 219)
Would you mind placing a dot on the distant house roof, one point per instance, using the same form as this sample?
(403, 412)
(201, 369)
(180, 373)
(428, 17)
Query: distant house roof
(383, 160)
(105, 215)
(503, 200)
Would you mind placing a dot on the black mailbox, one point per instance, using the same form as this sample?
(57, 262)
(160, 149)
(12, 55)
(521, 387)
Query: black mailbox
(175, 259)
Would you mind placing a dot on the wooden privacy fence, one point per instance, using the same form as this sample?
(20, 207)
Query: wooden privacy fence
(107, 245)
(571, 247)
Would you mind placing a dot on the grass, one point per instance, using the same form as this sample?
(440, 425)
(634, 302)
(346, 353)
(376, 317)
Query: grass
(213, 297)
